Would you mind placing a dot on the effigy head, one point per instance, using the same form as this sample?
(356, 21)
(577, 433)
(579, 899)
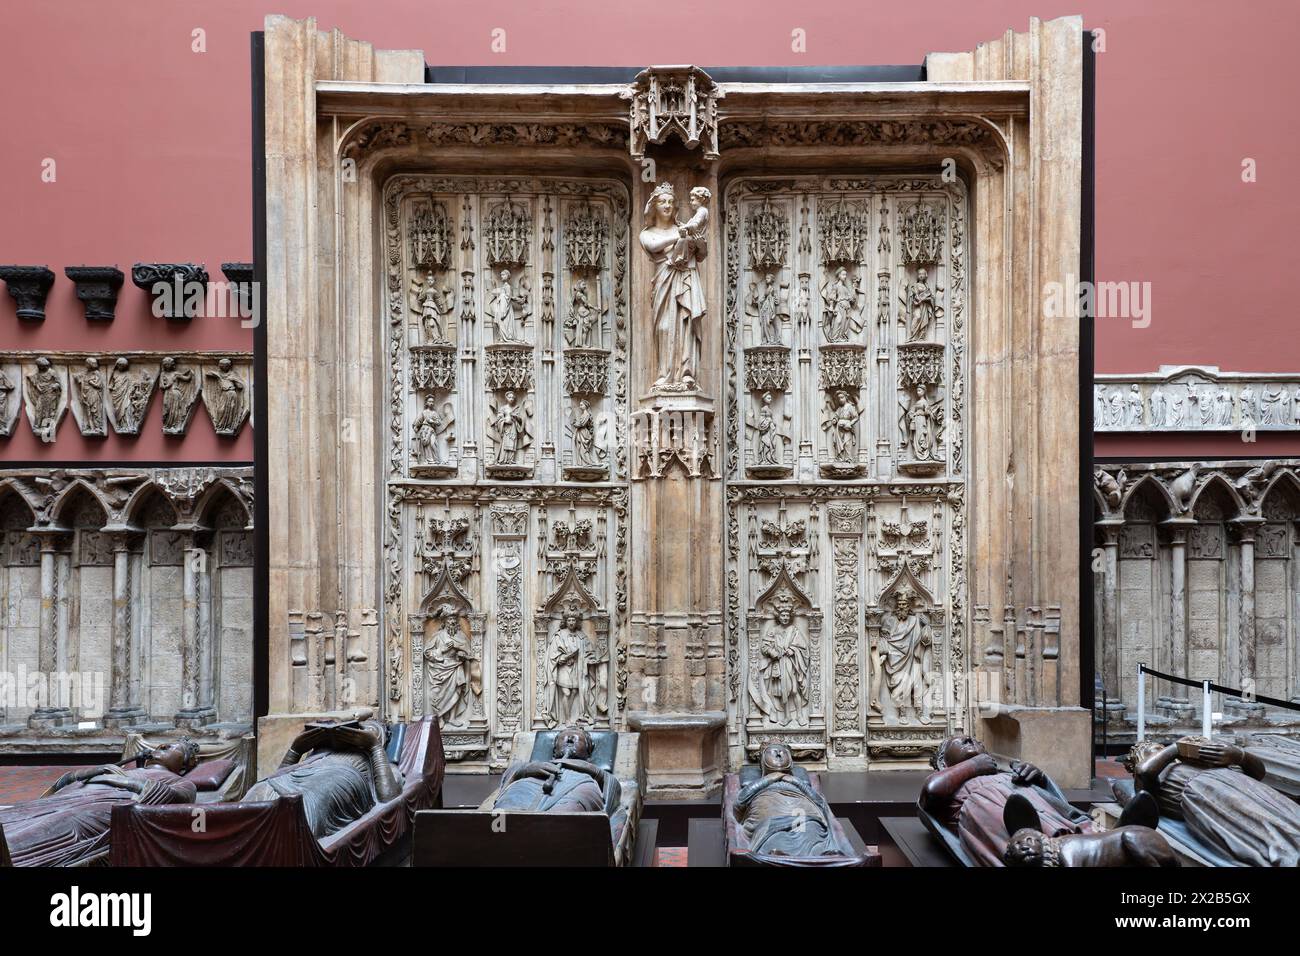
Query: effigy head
(954, 750)
(178, 756)
(574, 742)
(1140, 751)
(776, 758)
(1029, 847)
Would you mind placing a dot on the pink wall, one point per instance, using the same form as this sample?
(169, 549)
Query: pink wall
(152, 145)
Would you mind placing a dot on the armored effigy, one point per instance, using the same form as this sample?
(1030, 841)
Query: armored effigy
(345, 794)
(69, 824)
(775, 814)
(963, 802)
(1213, 801)
(572, 796)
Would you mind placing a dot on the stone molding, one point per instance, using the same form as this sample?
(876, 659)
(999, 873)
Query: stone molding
(1196, 398)
(86, 386)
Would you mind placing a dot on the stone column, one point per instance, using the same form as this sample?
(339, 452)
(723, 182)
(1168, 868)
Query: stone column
(192, 714)
(1107, 650)
(677, 681)
(54, 712)
(1174, 702)
(1246, 528)
(121, 711)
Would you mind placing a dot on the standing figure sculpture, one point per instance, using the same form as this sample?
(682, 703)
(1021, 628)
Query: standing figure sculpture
(677, 289)
(842, 424)
(770, 446)
(920, 308)
(779, 685)
(766, 303)
(428, 423)
(228, 406)
(447, 663)
(90, 386)
(842, 300)
(70, 825)
(508, 310)
(433, 305)
(582, 326)
(511, 431)
(921, 425)
(907, 652)
(177, 387)
(585, 451)
(1216, 789)
(129, 392)
(46, 393)
(575, 685)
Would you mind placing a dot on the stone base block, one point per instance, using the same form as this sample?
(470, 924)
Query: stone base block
(45, 718)
(195, 719)
(685, 753)
(1056, 739)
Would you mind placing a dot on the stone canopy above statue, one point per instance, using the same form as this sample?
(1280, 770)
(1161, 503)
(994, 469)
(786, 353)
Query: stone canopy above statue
(687, 391)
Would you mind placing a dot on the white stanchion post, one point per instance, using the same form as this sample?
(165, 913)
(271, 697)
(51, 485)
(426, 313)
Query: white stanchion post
(1207, 718)
(1142, 703)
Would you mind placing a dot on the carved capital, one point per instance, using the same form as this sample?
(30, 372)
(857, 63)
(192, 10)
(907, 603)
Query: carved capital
(97, 288)
(29, 285)
(177, 288)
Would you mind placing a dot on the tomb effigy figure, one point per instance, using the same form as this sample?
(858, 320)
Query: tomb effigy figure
(567, 783)
(1129, 845)
(967, 795)
(784, 816)
(677, 291)
(1217, 790)
(339, 768)
(69, 826)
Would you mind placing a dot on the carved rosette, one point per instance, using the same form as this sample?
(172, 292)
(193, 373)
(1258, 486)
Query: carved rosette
(843, 365)
(509, 366)
(767, 367)
(920, 363)
(586, 371)
(433, 367)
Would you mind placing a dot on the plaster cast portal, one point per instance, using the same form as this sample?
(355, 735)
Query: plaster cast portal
(841, 445)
